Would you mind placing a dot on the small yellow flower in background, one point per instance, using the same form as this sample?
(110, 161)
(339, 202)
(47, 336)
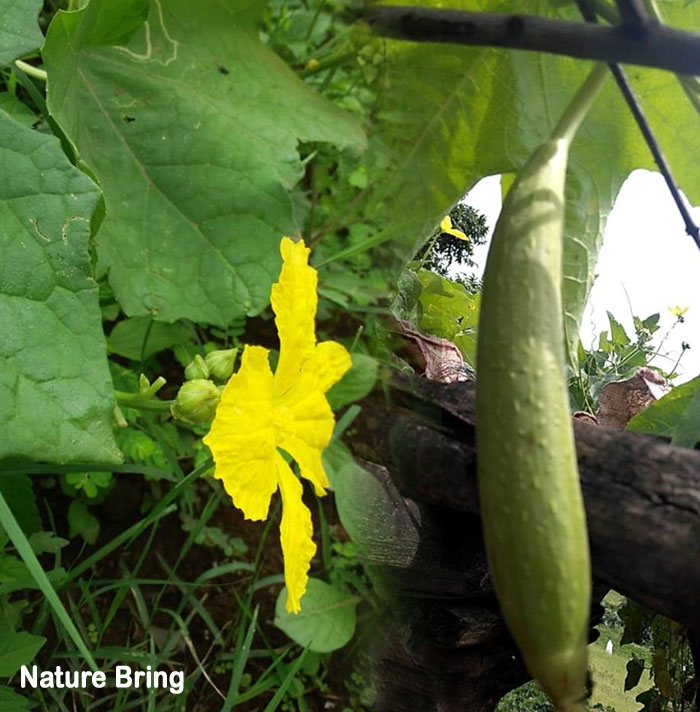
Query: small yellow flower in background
(446, 227)
(261, 414)
(678, 311)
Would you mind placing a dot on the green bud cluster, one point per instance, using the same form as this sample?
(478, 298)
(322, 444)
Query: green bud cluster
(198, 396)
(197, 369)
(196, 401)
(221, 363)
(216, 364)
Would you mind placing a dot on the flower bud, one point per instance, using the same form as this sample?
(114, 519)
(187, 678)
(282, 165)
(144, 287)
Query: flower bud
(144, 383)
(221, 363)
(196, 369)
(196, 401)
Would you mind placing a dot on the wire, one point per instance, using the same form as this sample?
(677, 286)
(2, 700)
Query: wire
(628, 93)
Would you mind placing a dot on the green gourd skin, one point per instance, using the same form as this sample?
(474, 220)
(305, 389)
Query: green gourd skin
(531, 503)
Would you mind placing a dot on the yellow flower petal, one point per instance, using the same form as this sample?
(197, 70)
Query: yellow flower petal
(294, 302)
(311, 420)
(295, 534)
(678, 311)
(323, 368)
(329, 363)
(309, 460)
(253, 381)
(250, 485)
(260, 413)
(446, 227)
(242, 438)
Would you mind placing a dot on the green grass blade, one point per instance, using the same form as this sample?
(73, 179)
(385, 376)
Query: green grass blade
(242, 650)
(24, 549)
(156, 513)
(129, 468)
(118, 540)
(276, 700)
(222, 570)
(130, 578)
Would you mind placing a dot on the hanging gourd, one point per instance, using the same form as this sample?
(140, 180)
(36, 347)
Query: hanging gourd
(533, 514)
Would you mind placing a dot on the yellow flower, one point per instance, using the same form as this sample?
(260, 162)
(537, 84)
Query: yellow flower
(446, 227)
(678, 311)
(261, 415)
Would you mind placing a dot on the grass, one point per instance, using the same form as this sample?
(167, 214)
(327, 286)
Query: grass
(609, 672)
(153, 596)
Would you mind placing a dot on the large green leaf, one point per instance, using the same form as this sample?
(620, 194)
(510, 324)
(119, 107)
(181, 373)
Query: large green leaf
(356, 383)
(456, 114)
(19, 111)
(675, 416)
(55, 390)
(192, 130)
(19, 29)
(326, 621)
(450, 312)
(140, 337)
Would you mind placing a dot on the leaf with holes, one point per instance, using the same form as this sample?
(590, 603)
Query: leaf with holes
(56, 398)
(192, 129)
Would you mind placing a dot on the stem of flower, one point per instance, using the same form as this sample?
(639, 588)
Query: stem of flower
(137, 401)
(31, 70)
(580, 104)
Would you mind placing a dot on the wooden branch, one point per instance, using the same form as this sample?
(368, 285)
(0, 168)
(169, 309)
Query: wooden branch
(657, 46)
(642, 495)
(415, 520)
(443, 646)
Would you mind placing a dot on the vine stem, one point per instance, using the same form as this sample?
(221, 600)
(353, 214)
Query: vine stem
(429, 249)
(31, 70)
(137, 401)
(578, 107)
